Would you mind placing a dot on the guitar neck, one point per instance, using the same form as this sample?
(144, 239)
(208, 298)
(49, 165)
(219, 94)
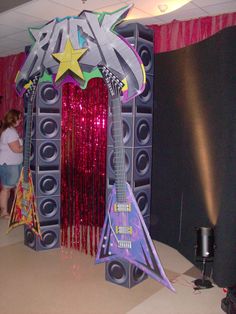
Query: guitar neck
(119, 152)
(27, 142)
(28, 129)
(115, 85)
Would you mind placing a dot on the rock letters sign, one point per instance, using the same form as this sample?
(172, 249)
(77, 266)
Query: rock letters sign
(71, 49)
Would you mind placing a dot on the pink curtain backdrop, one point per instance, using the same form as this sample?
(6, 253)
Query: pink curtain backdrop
(9, 67)
(179, 34)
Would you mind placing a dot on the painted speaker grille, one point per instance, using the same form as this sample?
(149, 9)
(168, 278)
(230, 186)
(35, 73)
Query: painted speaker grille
(123, 273)
(49, 127)
(147, 94)
(111, 159)
(142, 162)
(45, 166)
(48, 184)
(49, 95)
(48, 98)
(49, 151)
(117, 272)
(48, 207)
(145, 51)
(143, 132)
(50, 238)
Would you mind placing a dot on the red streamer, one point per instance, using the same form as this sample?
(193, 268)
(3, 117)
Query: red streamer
(83, 164)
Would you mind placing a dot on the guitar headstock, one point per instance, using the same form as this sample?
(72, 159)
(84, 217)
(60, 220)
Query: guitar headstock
(114, 84)
(31, 91)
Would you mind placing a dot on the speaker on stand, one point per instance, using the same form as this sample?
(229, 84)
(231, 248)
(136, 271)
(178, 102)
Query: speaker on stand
(45, 166)
(137, 137)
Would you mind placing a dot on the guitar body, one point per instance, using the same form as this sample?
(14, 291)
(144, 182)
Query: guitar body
(126, 236)
(24, 206)
(124, 233)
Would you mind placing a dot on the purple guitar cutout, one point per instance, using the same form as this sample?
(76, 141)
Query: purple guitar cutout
(124, 233)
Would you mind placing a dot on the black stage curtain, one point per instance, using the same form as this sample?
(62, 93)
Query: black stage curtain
(194, 149)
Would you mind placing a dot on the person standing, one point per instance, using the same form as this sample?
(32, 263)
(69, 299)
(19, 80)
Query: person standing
(11, 157)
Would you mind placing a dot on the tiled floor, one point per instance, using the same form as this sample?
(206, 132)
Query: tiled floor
(64, 281)
(14, 236)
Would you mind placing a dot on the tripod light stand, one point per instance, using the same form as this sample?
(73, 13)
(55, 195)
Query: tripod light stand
(204, 252)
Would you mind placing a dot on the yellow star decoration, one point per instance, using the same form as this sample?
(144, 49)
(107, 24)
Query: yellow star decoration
(69, 60)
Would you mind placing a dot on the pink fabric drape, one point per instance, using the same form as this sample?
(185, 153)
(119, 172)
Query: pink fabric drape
(9, 66)
(179, 34)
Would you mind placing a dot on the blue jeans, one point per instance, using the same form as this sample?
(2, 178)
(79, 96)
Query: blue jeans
(9, 175)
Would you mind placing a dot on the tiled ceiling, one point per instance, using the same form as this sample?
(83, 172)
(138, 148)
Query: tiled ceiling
(19, 15)
(10, 4)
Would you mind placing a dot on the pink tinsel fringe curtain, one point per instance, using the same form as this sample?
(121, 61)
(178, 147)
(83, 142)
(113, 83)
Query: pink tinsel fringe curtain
(179, 34)
(83, 164)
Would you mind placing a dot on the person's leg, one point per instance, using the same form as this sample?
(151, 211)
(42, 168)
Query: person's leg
(4, 197)
(9, 178)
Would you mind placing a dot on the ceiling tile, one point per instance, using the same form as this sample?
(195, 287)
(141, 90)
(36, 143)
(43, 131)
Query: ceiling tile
(3, 49)
(113, 7)
(203, 3)
(148, 21)
(46, 10)
(87, 5)
(136, 13)
(20, 20)
(223, 8)
(151, 6)
(10, 43)
(8, 30)
(21, 36)
(183, 15)
(8, 5)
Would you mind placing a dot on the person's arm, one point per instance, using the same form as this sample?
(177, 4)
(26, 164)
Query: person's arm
(16, 147)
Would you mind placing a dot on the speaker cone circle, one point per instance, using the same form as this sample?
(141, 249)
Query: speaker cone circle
(138, 274)
(126, 131)
(49, 127)
(143, 132)
(48, 208)
(49, 239)
(48, 152)
(49, 94)
(146, 57)
(30, 238)
(147, 93)
(112, 161)
(48, 185)
(117, 272)
(142, 201)
(142, 162)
